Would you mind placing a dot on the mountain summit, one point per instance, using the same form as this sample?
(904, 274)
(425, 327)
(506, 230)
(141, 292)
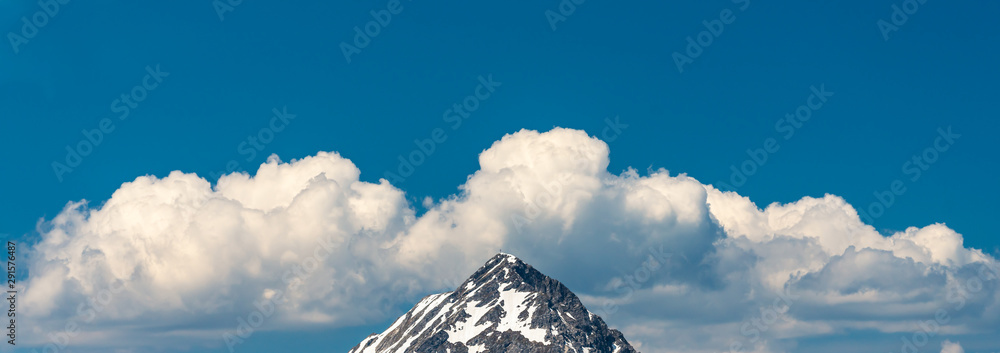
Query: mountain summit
(506, 306)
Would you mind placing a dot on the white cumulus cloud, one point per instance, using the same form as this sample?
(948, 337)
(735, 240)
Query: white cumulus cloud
(176, 251)
(951, 347)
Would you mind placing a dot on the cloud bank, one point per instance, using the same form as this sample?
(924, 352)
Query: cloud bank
(178, 257)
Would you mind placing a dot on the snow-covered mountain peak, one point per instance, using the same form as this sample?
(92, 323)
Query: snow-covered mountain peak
(505, 306)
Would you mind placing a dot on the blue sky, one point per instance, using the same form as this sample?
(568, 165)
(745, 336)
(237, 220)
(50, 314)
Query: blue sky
(226, 75)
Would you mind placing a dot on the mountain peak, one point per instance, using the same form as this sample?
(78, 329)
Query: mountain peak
(508, 269)
(505, 257)
(506, 305)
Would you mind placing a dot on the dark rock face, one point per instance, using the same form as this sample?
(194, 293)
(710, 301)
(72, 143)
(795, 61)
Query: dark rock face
(506, 306)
